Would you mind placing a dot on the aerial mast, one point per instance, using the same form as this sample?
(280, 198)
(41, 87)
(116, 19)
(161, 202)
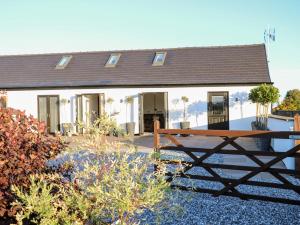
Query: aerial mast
(269, 37)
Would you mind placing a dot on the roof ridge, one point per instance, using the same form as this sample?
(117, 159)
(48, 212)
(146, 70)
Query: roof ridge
(133, 50)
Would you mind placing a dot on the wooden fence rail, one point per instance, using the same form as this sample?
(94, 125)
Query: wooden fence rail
(230, 184)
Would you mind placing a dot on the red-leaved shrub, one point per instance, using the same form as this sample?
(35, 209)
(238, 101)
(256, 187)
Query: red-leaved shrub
(24, 150)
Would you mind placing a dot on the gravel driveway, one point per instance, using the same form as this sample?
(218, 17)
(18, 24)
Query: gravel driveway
(182, 207)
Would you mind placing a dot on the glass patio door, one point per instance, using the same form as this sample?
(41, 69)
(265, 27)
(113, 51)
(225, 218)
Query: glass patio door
(88, 109)
(48, 112)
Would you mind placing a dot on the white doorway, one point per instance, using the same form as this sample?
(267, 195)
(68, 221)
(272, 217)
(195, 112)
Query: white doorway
(89, 107)
(153, 105)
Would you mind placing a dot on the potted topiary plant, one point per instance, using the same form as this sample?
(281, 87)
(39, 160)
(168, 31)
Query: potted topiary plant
(110, 102)
(130, 126)
(67, 127)
(3, 99)
(263, 95)
(184, 124)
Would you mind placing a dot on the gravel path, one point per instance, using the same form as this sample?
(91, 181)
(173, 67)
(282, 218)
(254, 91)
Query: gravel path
(182, 207)
(187, 208)
(198, 208)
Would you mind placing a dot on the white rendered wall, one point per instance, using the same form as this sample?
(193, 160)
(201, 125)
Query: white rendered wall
(241, 111)
(282, 145)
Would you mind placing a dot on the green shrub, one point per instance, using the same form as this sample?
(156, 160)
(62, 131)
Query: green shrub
(104, 125)
(123, 186)
(24, 150)
(115, 187)
(44, 202)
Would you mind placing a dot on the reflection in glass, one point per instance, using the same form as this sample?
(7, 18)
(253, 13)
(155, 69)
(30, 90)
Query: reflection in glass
(217, 105)
(53, 114)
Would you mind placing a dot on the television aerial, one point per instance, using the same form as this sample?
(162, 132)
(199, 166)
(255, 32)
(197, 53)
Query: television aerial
(269, 37)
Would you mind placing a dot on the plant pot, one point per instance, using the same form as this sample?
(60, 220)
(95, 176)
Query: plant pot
(67, 129)
(130, 127)
(185, 125)
(258, 126)
(263, 144)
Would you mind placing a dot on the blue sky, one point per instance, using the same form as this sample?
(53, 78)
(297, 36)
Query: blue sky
(34, 26)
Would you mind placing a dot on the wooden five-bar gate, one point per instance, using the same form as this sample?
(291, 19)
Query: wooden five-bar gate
(230, 184)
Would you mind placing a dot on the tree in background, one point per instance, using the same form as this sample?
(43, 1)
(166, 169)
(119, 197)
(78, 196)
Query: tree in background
(291, 101)
(263, 95)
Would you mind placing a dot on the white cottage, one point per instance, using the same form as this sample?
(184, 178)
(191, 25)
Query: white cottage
(65, 88)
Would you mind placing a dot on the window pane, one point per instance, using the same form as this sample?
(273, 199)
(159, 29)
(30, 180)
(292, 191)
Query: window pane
(113, 60)
(53, 114)
(217, 105)
(63, 62)
(43, 109)
(159, 58)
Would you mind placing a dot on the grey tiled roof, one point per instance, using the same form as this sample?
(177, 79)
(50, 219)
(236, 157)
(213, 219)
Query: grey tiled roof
(245, 64)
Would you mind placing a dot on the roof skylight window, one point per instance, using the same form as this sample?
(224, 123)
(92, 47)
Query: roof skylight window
(159, 58)
(113, 60)
(64, 61)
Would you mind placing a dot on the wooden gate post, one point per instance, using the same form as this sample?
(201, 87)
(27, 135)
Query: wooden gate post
(297, 142)
(297, 123)
(156, 143)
